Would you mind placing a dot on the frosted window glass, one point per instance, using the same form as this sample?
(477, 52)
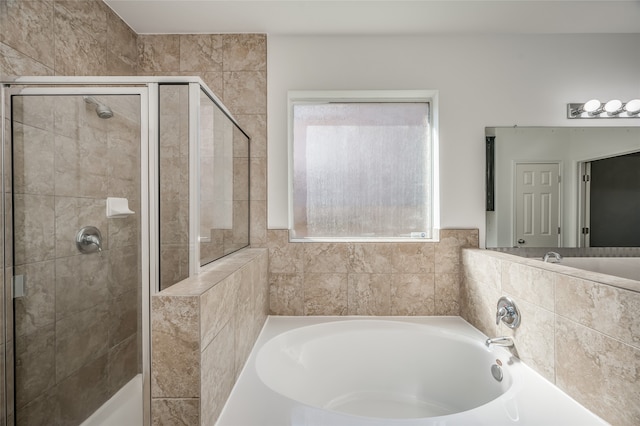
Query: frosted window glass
(361, 170)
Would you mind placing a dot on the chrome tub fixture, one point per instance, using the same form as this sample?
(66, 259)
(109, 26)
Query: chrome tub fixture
(505, 341)
(552, 255)
(507, 312)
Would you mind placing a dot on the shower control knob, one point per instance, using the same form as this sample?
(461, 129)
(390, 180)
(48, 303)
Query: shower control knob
(507, 312)
(89, 240)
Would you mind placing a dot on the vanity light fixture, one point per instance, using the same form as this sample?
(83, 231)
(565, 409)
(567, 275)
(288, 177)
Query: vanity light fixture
(611, 109)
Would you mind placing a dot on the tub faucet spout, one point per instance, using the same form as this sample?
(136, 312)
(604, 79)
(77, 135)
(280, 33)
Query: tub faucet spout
(506, 341)
(552, 254)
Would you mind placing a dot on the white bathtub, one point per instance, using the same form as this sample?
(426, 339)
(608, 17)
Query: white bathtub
(383, 371)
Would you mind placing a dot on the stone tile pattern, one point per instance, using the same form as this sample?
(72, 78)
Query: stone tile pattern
(578, 332)
(174, 184)
(87, 38)
(367, 278)
(234, 66)
(77, 326)
(85, 307)
(203, 329)
(64, 38)
(224, 184)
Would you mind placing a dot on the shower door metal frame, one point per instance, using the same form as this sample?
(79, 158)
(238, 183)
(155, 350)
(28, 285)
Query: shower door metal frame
(79, 86)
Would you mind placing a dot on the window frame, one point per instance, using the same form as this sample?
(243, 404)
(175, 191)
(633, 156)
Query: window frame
(363, 96)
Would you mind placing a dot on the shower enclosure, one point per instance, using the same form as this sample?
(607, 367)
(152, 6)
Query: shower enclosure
(94, 176)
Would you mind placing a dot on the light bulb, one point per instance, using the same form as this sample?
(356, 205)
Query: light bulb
(613, 107)
(632, 107)
(591, 106)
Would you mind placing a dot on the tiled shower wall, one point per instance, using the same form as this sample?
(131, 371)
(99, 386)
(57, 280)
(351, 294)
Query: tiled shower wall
(174, 184)
(234, 68)
(64, 38)
(76, 328)
(580, 332)
(69, 38)
(87, 38)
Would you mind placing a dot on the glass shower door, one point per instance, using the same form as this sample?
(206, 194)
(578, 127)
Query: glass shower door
(74, 209)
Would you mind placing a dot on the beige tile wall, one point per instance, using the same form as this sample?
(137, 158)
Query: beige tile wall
(79, 316)
(174, 184)
(64, 38)
(581, 333)
(367, 278)
(86, 38)
(203, 329)
(224, 184)
(69, 38)
(234, 67)
(77, 325)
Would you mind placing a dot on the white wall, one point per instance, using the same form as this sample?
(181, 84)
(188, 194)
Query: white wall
(490, 80)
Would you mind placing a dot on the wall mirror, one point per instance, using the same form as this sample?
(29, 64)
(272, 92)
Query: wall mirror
(562, 186)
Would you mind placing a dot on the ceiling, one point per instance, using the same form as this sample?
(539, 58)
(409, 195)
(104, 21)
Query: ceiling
(379, 17)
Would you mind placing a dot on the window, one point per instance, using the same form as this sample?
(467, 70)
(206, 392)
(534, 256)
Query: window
(362, 165)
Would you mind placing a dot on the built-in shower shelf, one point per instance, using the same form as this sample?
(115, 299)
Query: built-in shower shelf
(118, 208)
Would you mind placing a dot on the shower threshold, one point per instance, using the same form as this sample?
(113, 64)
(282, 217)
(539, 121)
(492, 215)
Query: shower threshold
(123, 408)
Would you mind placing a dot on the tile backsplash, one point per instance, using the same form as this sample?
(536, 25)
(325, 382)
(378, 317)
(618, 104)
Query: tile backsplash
(367, 278)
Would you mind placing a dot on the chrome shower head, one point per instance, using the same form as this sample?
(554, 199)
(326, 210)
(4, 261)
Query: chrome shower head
(102, 110)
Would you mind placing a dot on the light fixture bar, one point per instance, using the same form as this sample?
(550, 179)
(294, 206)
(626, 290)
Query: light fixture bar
(610, 109)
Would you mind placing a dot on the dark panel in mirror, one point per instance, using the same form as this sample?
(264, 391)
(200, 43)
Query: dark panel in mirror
(614, 202)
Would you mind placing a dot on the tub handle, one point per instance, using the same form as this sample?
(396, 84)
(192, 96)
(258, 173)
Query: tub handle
(508, 312)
